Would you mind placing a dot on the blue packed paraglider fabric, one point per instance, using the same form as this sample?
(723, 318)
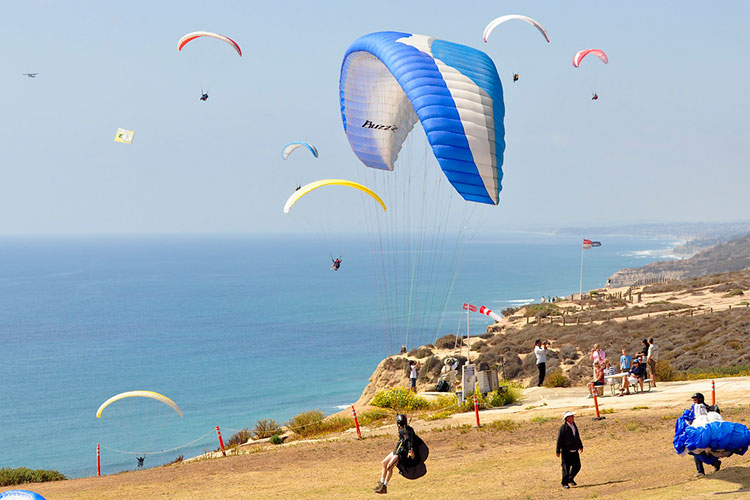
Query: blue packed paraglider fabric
(714, 438)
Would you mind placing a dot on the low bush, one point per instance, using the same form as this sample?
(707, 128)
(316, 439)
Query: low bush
(440, 415)
(265, 428)
(557, 379)
(276, 439)
(501, 425)
(371, 417)
(444, 401)
(447, 342)
(238, 438)
(540, 419)
(399, 399)
(306, 423)
(21, 475)
(420, 353)
(664, 370)
(732, 293)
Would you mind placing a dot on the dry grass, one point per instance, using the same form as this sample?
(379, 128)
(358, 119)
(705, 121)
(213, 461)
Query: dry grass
(497, 462)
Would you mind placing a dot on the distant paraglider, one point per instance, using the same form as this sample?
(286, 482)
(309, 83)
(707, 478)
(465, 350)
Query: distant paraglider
(578, 57)
(204, 96)
(299, 193)
(139, 394)
(498, 21)
(292, 146)
(515, 77)
(197, 34)
(336, 263)
(595, 97)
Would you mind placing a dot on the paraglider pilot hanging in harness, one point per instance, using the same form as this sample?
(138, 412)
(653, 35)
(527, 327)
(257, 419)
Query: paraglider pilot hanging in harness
(409, 456)
(140, 460)
(515, 77)
(204, 96)
(336, 263)
(595, 97)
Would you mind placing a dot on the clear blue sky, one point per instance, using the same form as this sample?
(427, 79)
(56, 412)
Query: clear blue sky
(667, 141)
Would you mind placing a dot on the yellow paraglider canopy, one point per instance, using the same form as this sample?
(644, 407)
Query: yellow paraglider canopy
(327, 182)
(139, 394)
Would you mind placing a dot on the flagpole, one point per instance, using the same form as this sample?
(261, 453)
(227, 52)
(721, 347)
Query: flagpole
(468, 337)
(580, 283)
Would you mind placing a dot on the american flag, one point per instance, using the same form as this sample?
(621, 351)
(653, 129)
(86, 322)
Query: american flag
(588, 244)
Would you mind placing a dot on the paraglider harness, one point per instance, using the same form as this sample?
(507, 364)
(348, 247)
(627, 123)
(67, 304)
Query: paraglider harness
(140, 461)
(336, 263)
(595, 97)
(411, 452)
(204, 96)
(515, 77)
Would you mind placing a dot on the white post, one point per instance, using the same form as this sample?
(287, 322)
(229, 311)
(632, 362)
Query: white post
(468, 337)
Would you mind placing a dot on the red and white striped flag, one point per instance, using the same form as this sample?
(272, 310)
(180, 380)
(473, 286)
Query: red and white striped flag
(470, 307)
(588, 244)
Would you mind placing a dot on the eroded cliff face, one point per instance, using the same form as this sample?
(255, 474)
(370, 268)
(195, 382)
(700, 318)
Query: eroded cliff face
(730, 256)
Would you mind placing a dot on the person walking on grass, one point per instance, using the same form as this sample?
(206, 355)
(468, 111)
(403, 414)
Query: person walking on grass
(651, 358)
(540, 351)
(569, 447)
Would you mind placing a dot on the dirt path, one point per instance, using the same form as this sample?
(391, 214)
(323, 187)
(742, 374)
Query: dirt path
(628, 455)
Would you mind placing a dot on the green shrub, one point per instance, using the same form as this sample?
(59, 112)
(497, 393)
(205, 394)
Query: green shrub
(420, 353)
(732, 293)
(541, 310)
(440, 415)
(509, 311)
(336, 423)
(238, 438)
(21, 475)
(447, 342)
(276, 439)
(399, 399)
(557, 379)
(540, 419)
(266, 428)
(444, 401)
(664, 370)
(371, 417)
(502, 425)
(306, 423)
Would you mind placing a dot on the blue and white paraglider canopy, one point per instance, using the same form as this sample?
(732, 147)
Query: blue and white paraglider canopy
(391, 79)
(289, 148)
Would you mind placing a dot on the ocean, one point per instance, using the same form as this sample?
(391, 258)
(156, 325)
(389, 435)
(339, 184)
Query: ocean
(232, 328)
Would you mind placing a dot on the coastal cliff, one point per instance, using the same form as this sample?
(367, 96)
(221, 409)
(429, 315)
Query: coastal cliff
(733, 255)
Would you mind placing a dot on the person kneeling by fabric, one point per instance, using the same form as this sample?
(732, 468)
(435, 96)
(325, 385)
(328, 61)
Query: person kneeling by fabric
(637, 372)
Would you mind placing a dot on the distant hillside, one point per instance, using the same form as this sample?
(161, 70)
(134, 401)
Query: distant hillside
(730, 256)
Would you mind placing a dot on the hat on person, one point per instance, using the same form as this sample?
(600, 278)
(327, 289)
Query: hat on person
(568, 414)
(636, 360)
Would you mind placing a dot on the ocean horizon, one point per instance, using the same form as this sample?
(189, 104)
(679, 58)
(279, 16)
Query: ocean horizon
(233, 328)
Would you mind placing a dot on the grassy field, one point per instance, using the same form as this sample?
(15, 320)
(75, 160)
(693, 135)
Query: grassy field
(627, 455)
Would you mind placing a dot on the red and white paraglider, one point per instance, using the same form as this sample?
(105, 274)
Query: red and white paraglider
(583, 53)
(197, 34)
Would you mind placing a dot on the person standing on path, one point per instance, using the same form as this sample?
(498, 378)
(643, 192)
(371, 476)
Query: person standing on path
(652, 357)
(413, 367)
(570, 447)
(540, 350)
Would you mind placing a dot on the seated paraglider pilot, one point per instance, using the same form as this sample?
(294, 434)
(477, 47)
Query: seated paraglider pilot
(336, 263)
(515, 77)
(409, 456)
(204, 96)
(140, 460)
(595, 97)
